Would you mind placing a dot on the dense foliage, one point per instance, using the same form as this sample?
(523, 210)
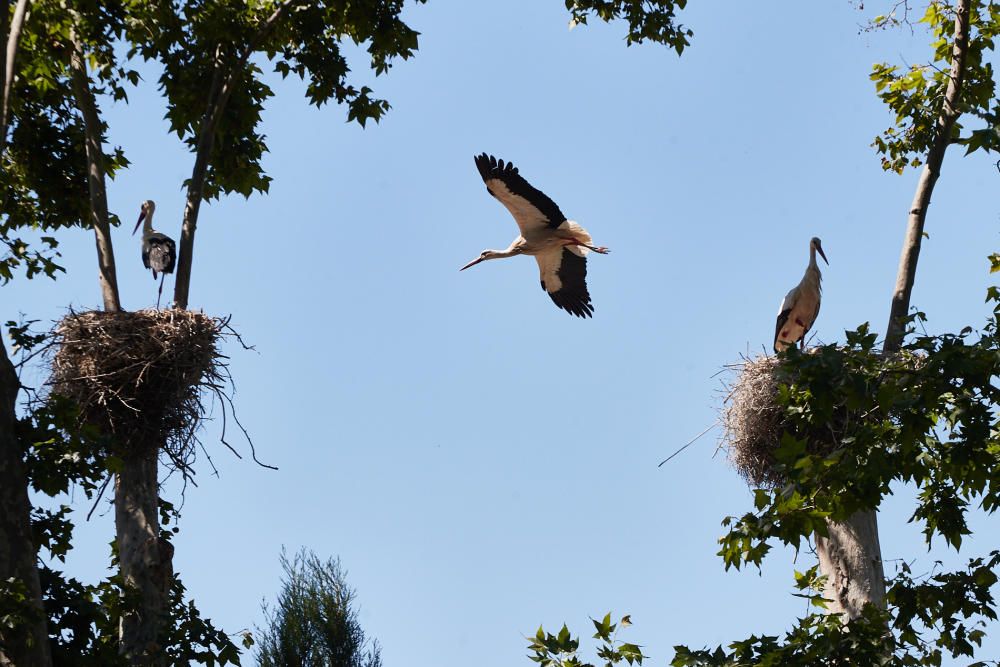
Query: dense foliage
(314, 622)
(205, 49)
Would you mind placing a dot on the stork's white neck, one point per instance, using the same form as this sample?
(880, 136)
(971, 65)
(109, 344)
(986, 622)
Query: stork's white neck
(499, 254)
(813, 273)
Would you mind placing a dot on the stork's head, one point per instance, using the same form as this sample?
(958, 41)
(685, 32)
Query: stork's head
(484, 255)
(145, 212)
(817, 246)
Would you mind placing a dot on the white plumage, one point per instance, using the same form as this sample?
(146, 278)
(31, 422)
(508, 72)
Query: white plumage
(159, 253)
(800, 306)
(559, 245)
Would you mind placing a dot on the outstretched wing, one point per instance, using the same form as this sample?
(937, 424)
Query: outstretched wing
(564, 277)
(530, 207)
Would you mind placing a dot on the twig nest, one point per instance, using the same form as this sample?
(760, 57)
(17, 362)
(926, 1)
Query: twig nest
(752, 421)
(848, 380)
(138, 376)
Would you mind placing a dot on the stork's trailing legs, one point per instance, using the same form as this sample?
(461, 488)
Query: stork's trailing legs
(160, 292)
(600, 250)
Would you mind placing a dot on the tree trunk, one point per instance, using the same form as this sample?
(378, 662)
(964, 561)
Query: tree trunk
(9, 59)
(851, 557)
(219, 92)
(28, 643)
(145, 560)
(95, 178)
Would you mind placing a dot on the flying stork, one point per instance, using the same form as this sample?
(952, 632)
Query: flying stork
(801, 305)
(158, 250)
(559, 245)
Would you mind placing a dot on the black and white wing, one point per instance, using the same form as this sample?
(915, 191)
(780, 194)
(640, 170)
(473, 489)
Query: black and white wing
(564, 277)
(159, 253)
(530, 207)
(783, 312)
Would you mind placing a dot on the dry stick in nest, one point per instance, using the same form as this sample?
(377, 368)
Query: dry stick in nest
(140, 377)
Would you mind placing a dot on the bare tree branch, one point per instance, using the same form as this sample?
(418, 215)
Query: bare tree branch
(928, 178)
(221, 89)
(9, 61)
(87, 105)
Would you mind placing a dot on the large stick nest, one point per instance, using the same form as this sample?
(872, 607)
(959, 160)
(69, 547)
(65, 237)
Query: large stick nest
(139, 376)
(754, 423)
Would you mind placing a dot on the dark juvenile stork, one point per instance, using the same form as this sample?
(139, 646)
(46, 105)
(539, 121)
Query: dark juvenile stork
(801, 305)
(559, 245)
(158, 250)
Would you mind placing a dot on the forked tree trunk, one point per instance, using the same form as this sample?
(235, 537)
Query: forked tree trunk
(27, 643)
(144, 558)
(851, 557)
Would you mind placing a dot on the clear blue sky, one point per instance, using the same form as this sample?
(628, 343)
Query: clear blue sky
(481, 461)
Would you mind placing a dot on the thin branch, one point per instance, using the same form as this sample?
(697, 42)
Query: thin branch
(690, 442)
(100, 494)
(9, 62)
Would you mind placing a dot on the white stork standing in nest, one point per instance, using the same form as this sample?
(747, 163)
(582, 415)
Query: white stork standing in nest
(159, 252)
(801, 305)
(559, 245)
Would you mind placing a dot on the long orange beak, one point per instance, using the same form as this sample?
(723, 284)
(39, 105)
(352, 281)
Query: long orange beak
(472, 263)
(142, 216)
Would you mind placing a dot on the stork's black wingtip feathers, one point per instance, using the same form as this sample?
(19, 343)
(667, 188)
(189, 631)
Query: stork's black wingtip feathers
(782, 319)
(573, 296)
(483, 165)
(490, 167)
(579, 309)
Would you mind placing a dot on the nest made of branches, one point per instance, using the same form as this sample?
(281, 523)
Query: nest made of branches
(140, 376)
(753, 422)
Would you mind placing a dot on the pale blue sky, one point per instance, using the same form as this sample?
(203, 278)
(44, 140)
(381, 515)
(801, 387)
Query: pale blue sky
(481, 461)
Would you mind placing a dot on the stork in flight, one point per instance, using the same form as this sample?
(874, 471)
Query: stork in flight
(801, 305)
(559, 245)
(158, 250)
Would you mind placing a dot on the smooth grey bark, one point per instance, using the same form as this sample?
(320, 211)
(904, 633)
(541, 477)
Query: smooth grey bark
(145, 560)
(87, 105)
(220, 90)
(944, 124)
(851, 558)
(27, 644)
(9, 56)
